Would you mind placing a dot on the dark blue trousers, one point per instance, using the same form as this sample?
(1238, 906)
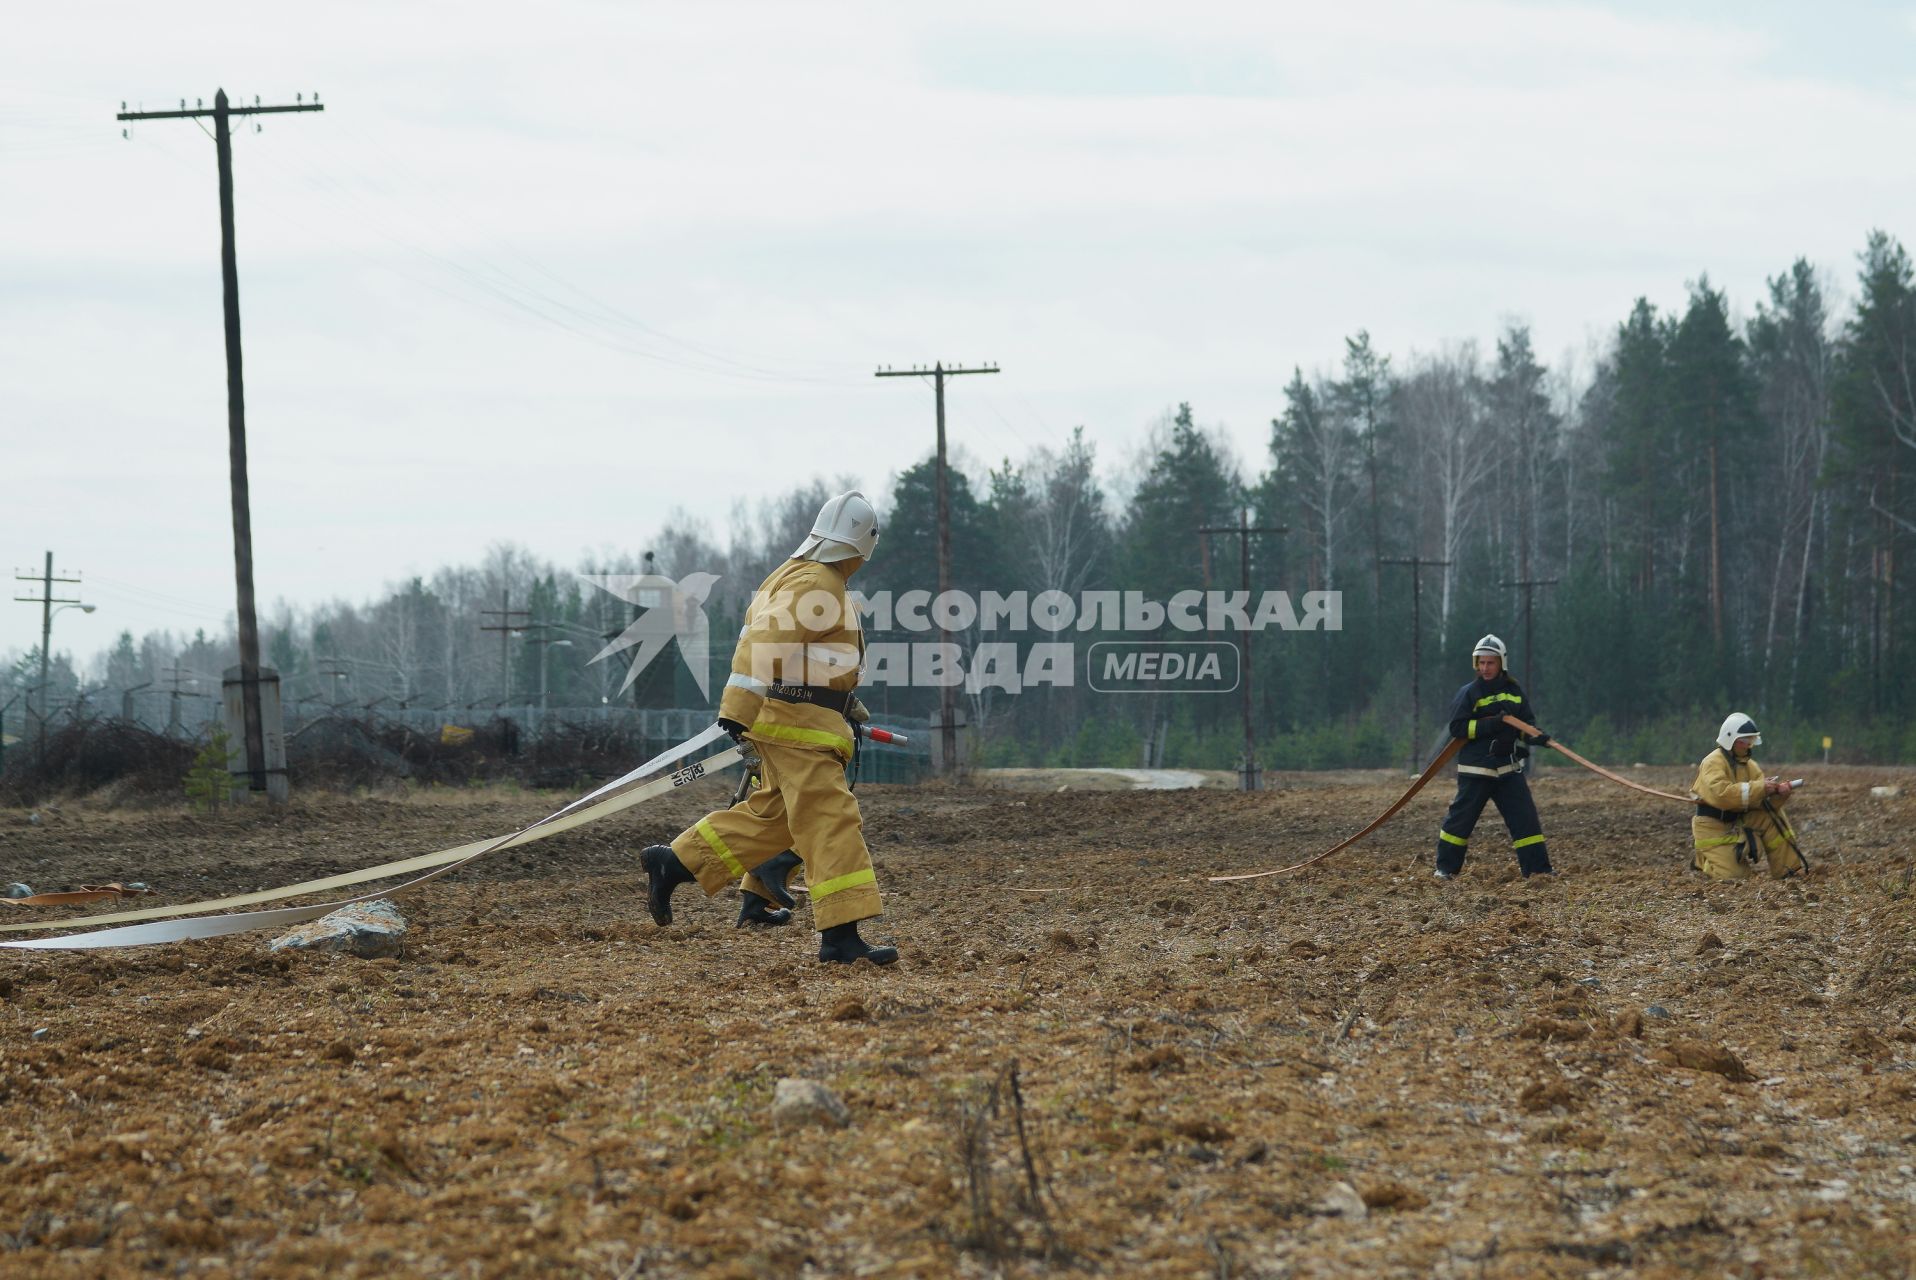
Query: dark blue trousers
(1511, 794)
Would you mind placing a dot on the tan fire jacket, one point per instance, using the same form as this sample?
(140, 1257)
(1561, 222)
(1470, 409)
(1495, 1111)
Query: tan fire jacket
(1730, 785)
(801, 629)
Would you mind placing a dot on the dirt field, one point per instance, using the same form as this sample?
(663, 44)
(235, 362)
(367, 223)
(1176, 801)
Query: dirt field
(1621, 1072)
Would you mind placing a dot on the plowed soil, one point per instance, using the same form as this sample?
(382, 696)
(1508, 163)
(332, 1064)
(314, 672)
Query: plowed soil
(1356, 1070)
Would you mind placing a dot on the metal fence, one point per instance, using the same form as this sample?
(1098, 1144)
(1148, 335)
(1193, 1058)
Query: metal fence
(653, 728)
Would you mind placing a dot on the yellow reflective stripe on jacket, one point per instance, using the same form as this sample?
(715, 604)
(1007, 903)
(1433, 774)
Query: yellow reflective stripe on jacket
(1472, 735)
(1527, 840)
(811, 737)
(1447, 838)
(1498, 697)
(851, 880)
(718, 846)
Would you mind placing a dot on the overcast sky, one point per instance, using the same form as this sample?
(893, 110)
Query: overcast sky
(544, 273)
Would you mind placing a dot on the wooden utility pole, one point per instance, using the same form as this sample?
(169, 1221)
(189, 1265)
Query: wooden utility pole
(1417, 567)
(1532, 668)
(1248, 776)
(947, 697)
(176, 673)
(249, 665)
(46, 600)
(505, 613)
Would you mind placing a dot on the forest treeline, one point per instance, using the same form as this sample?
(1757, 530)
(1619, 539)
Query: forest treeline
(1713, 509)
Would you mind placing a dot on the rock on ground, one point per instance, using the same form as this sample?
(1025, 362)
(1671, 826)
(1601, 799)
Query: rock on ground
(1342, 1201)
(796, 1101)
(365, 929)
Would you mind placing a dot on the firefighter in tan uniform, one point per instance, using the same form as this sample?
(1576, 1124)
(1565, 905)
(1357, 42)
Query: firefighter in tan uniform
(790, 696)
(1739, 812)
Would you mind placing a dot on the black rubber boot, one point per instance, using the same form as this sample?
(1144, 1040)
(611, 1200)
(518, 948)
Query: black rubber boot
(774, 872)
(841, 944)
(1533, 861)
(755, 910)
(663, 873)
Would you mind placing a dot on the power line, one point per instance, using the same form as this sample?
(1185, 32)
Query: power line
(506, 626)
(163, 601)
(222, 113)
(46, 600)
(1533, 666)
(494, 281)
(372, 143)
(947, 699)
(1417, 566)
(1249, 775)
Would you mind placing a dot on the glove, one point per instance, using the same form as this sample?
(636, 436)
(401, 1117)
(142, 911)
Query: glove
(733, 728)
(1541, 740)
(856, 712)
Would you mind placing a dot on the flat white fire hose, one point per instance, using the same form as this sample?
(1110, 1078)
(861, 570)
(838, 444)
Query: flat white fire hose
(622, 793)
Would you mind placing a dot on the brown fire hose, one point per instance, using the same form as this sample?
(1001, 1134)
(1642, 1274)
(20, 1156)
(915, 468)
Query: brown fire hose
(1444, 757)
(1597, 769)
(80, 897)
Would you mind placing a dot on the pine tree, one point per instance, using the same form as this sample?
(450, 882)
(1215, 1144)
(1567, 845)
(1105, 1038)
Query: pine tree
(1362, 400)
(123, 663)
(1715, 420)
(1875, 410)
(1523, 426)
(1791, 359)
(1188, 486)
(209, 782)
(1313, 456)
(909, 535)
(1640, 478)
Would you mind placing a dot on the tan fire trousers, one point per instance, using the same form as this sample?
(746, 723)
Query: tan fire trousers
(803, 804)
(1720, 844)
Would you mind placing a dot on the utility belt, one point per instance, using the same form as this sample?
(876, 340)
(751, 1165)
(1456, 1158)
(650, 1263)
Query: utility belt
(1731, 816)
(813, 695)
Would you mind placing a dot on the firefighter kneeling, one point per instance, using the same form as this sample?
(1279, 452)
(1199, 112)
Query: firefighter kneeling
(1739, 812)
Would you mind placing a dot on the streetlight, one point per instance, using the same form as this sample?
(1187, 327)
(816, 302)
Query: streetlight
(46, 645)
(546, 646)
(405, 681)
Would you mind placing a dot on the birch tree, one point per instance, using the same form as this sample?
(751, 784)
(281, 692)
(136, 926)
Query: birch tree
(1455, 451)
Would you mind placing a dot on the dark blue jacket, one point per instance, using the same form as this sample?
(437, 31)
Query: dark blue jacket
(1488, 743)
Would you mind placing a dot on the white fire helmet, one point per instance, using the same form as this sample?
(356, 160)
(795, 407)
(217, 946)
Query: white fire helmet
(846, 527)
(1490, 645)
(1737, 725)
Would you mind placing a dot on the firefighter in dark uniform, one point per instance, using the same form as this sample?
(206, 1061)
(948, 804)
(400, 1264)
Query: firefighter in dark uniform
(1490, 766)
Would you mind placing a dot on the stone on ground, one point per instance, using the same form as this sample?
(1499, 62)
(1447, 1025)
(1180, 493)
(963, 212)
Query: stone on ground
(364, 929)
(797, 1101)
